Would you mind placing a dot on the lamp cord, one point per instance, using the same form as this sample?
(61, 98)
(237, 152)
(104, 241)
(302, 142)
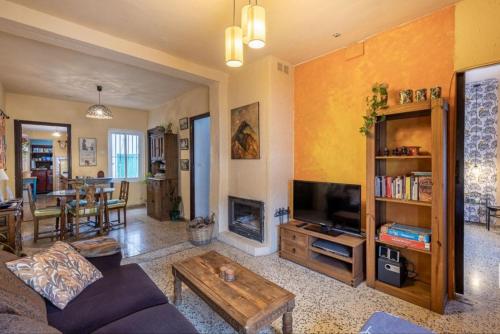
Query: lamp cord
(234, 11)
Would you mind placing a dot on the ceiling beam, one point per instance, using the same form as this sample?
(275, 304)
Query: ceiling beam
(32, 24)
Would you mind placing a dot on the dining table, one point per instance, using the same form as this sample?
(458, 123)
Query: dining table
(66, 195)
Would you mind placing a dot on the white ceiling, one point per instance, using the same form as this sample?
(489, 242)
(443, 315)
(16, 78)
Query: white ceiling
(35, 68)
(194, 29)
(43, 128)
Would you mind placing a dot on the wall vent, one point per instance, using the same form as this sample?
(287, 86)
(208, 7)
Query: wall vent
(282, 68)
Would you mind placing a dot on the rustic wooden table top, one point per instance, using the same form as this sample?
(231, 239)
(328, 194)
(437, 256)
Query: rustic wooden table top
(249, 303)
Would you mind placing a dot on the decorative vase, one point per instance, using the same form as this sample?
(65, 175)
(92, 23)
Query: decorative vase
(175, 214)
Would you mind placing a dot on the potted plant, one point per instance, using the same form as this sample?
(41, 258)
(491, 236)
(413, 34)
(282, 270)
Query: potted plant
(201, 229)
(175, 213)
(377, 101)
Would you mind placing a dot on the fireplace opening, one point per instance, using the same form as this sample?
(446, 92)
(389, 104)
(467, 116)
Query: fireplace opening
(246, 218)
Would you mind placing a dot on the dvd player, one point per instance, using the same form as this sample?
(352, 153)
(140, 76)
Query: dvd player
(332, 247)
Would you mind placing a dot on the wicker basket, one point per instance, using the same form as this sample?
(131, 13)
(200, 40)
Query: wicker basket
(200, 234)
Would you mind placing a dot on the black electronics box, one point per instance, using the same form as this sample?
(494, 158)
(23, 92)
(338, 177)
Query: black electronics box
(391, 272)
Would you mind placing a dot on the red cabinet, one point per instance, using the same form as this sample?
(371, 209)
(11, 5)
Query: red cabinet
(44, 180)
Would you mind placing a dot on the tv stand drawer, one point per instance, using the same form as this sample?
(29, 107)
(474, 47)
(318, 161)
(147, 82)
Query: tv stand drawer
(296, 237)
(294, 249)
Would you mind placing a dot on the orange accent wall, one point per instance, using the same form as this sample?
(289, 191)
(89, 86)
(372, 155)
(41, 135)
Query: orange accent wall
(330, 94)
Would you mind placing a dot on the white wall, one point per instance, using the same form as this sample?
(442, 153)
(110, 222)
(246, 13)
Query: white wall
(2, 97)
(189, 104)
(35, 108)
(265, 179)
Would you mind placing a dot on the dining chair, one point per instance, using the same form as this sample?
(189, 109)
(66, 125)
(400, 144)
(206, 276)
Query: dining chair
(119, 203)
(85, 205)
(40, 214)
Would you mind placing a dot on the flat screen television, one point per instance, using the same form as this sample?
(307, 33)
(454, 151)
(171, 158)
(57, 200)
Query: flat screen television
(335, 206)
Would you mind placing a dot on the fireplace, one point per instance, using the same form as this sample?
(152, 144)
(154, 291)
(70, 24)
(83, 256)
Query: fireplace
(246, 218)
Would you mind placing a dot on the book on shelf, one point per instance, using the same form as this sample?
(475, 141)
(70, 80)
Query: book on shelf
(416, 186)
(407, 232)
(403, 242)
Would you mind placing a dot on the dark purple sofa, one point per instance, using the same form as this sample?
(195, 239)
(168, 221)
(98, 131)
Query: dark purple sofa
(125, 300)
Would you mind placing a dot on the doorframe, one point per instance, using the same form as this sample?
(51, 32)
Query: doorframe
(18, 158)
(192, 189)
(459, 185)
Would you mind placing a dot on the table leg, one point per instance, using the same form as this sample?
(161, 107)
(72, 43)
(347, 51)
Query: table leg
(287, 323)
(177, 290)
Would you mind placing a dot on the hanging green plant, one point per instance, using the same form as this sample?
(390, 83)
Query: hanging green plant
(377, 101)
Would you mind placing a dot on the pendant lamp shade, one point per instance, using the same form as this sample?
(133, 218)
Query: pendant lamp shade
(234, 46)
(256, 27)
(245, 11)
(99, 111)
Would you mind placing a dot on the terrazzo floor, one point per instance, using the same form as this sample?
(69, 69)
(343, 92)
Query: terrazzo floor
(143, 234)
(324, 305)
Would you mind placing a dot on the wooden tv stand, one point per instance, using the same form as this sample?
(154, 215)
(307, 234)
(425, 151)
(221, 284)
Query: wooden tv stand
(296, 245)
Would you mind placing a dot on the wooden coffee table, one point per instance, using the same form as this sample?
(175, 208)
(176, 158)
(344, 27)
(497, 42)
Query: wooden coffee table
(248, 303)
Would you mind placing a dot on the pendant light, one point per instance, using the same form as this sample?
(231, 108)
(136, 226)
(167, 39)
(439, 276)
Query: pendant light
(256, 26)
(99, 111)
(244, 21)
(234, 43)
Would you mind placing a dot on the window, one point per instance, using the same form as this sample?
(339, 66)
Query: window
(125, 154)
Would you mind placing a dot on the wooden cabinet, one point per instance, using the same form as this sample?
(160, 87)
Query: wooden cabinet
(163, 151)
(159, 197)
(296, 244)
(420, 124)
(44, 180)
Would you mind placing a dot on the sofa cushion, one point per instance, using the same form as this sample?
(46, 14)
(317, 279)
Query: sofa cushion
(11, 323)
(161, 319)
(105, 263)
(58, 273)
(16, 297)
(122, 291)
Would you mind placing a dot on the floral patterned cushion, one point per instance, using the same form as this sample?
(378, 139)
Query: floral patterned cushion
(58, 273)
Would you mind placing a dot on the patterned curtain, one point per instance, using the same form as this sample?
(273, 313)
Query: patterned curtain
(480, 147)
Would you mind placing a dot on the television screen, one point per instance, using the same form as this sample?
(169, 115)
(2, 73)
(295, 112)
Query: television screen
(335, 205)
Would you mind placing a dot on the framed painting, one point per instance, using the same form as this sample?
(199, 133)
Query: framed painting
(87, 148)
(184, 123)
(184, 144)
(245, 137)
(185, 164)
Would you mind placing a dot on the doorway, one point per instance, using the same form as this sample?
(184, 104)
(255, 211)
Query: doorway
(200, 165)
(42, 153)
(477, 245)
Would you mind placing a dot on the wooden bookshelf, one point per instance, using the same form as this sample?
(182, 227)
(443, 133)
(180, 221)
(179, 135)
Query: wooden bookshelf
(416, 124)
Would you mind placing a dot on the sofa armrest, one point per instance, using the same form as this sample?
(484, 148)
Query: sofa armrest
(105, 263)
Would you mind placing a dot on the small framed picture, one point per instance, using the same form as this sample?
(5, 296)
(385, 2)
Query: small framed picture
(184, 144)
(183, 123)
(185, 164)
(87, 148)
